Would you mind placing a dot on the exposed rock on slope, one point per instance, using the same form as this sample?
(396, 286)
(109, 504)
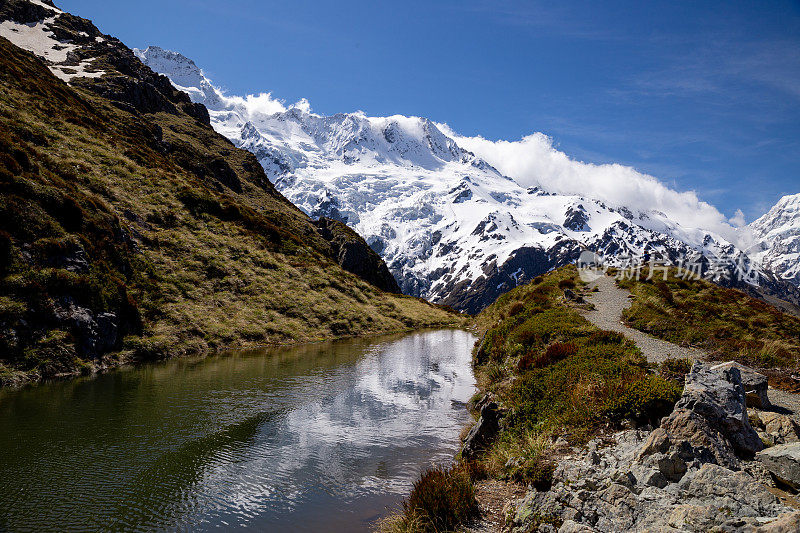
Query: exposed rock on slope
(355, 255)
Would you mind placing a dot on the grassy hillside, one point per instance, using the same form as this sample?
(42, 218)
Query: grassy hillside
(130, 230)
(726, 322)
(558, 375)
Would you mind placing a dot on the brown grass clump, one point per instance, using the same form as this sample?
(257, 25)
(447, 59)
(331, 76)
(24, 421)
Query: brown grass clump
(554, 353)
(440, 500)
(516, 308)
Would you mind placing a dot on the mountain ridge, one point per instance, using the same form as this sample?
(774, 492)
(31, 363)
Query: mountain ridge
(430, 207)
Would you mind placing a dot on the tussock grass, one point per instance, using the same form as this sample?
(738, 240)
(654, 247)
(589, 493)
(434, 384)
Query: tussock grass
(441, 499)
(727, 322)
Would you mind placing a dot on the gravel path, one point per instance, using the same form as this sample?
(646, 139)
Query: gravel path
(610, 301)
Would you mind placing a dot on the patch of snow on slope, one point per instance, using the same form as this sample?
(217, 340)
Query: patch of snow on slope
(36, 37)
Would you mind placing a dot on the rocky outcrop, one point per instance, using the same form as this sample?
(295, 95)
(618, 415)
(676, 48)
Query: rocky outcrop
(755, 384)
(606, 488)
(783, 462)
(353, 254)
(690, 474)
(484, 430)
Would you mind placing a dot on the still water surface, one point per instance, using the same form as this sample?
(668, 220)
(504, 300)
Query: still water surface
(312, 438)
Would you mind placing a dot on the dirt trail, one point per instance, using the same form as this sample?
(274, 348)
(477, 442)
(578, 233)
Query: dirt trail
(610, 301)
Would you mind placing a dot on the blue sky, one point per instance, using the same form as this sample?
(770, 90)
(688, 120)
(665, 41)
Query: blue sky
(703, 95)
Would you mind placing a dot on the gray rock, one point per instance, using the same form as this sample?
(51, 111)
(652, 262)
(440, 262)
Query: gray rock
(688, 435)
(718, 397)
(96, 334)
(775, 427)
(755, 385)
(783, 461)
(570, 295)
(570, 526)
(709, 425)
(785, 523)
(483, 432)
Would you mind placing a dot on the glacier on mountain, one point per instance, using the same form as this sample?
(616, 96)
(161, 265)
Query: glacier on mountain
(449, 225)
(776, 238)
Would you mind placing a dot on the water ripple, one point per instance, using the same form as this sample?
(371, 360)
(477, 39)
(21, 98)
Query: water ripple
(302, 439)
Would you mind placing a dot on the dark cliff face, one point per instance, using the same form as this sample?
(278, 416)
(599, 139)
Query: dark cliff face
(355, 255)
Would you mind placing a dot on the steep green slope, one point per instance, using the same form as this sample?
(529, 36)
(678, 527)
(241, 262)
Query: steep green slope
(130, 230)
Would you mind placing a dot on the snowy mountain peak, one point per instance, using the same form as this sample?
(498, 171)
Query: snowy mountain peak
(777, 238)
(183, 73)
(450, 226)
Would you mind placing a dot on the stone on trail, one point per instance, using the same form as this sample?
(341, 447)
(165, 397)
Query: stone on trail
(755, 384)
(783, 461)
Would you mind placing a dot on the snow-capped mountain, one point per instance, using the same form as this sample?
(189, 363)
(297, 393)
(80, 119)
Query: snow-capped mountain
(777, 236)
(449, 225)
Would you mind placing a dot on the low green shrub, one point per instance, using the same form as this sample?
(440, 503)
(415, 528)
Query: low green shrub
(645, 399)
(675, 368)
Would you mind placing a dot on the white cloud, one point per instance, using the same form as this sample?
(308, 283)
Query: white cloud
(534, 161)
(303, 105)
(262, 103)
(738, 219)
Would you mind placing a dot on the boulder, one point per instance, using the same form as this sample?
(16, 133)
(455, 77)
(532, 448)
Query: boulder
(687, 436)
(709, 425)
(755, 384)
(484, 430)
(775, 428)
(783, 462)
(718, 396)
